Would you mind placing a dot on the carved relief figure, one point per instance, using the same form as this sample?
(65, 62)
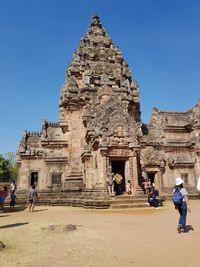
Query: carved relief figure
(44, 128)
(110, 182)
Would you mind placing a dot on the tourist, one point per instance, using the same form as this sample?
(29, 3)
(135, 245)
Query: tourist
(149, 183)
(128, 187)
(3, 195)
(13, 199)
(13, 188)
(118, 183)
(152, 197)
(32, 198)
(145, 186)
(180, 199)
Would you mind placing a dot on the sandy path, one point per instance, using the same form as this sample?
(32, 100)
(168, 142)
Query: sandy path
(103, 238)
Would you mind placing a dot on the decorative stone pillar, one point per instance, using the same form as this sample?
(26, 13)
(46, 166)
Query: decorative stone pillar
(103, 169)
(197, 174)
(144, 175)
(158, 180)
(134, 173)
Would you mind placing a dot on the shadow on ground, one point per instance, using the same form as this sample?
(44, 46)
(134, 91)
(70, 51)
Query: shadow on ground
(13, 225)
(17, 209)
(40, 210)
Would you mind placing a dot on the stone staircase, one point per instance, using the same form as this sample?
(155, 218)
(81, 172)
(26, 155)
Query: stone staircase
(125, 201)
(94, 199)
(118, 202)
(139, 191)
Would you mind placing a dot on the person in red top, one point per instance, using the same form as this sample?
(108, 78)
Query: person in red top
(3, 195)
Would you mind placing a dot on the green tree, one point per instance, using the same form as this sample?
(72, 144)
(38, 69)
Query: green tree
(4, 169)
(8, 167)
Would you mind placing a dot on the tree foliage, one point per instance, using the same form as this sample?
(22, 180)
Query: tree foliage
(8, 167)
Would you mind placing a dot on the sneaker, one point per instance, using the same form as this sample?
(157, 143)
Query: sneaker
(179, 229)
(183, 231)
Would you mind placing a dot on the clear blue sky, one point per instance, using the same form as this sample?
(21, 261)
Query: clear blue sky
(159, 39)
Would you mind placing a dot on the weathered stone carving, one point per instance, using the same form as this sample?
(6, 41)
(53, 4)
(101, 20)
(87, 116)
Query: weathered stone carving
(181, 159)
(151, 156)
(25, 140)
(194, 115)
(112, 125)
(119, 153)
(110, 181)
(44, 128)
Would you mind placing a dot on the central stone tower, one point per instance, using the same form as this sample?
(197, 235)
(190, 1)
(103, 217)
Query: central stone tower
(99, 134)
(99, 114)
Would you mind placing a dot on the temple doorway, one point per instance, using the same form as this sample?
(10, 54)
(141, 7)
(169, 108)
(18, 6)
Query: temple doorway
(151, 177)
(118, 166)
(34, 178)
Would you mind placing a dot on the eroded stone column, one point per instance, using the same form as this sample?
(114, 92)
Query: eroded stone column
(134, 172)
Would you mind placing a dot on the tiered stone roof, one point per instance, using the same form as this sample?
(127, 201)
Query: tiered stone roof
(97, 68)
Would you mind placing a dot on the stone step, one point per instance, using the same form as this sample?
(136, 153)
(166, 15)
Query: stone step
(128, 201)
(128, 206)
(87, 203)
(130, 197)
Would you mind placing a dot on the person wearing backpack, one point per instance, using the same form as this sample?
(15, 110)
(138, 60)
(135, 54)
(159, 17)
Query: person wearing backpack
(180, 199)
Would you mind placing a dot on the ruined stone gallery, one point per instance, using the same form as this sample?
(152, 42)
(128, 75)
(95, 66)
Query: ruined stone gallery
(100, 132)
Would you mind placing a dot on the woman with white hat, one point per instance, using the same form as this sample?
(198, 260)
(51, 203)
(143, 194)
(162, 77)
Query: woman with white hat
(180, 199)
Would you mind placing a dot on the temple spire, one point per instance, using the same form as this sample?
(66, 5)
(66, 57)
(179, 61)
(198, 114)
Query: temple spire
(96, 21)
(98, 71)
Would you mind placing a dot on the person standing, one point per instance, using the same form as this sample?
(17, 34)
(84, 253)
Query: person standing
(129, 187)
(118, 182)
(149, 183)
(32, 198)
(180, 199)
(13, 199)
(3, 195)
(13, 188)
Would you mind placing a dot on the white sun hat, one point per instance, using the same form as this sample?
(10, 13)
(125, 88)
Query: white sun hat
(179, 181)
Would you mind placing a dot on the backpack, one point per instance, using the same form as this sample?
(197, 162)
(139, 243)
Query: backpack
(177, 197)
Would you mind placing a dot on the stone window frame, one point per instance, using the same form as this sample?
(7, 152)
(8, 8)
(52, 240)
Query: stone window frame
(57, 179)
(185, 177)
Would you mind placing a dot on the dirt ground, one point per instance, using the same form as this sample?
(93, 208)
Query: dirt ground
(133, 237)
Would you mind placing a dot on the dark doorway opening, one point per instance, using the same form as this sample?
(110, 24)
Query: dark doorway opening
(118, 166)
(151, 177)
(34, 178)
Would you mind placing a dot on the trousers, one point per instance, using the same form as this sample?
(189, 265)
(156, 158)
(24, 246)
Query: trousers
(183, 214)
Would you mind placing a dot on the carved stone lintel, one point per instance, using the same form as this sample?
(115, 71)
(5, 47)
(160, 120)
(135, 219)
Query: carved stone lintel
(119, 152)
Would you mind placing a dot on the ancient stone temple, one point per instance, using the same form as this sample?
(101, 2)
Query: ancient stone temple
(100, 133)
